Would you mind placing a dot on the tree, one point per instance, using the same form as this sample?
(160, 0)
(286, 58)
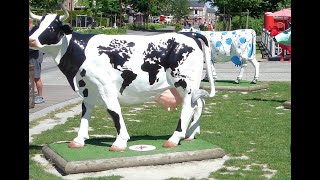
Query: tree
(46, 5)
(256, 7)
(180, 8)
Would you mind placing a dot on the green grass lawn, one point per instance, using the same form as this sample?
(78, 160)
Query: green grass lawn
(247, 125)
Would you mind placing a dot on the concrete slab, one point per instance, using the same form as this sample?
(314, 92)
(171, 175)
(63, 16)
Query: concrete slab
(94, 165)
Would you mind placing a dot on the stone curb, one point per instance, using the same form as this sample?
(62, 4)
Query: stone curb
(52, 108)
(72, 167)
(238, 88)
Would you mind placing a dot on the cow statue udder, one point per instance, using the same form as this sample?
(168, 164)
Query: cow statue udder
(239, 46)
(127, 69)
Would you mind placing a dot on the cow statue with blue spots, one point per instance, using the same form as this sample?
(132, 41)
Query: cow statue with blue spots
(239, 46)
(112, 70)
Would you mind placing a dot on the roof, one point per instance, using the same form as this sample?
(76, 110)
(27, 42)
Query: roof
(282, 13)
(195, 3)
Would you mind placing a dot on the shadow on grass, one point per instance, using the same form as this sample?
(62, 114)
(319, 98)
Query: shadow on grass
(108, 141)
(271, 100)
(34, 147)
(277, 58)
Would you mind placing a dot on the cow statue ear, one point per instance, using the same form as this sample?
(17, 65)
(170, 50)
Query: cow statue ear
(67, 29)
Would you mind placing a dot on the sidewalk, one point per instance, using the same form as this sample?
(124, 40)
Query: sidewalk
(58, 93)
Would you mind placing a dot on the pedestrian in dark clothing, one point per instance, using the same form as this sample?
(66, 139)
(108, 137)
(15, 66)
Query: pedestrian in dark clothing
(201, 27)
(36, 58)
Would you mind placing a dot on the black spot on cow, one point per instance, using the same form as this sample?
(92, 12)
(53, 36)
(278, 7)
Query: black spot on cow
(128, 77)
(116, 120)
(118, 51)
(84, 110)
(181, 83)
(85, 92)
(196, 37)
(74, 56)
(179, 126)
(152, 69)
(83, 72)
(82, 83)
(168, 54)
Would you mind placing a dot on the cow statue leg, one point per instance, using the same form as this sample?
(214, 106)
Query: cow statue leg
(187, 112)
(214, 73)
(242, 68)
(114, 109)
(255, 64)
(84, 126)
(195, 124)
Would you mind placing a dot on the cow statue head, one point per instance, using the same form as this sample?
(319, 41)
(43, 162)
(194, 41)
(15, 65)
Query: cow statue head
(50, 30)
(283, 37)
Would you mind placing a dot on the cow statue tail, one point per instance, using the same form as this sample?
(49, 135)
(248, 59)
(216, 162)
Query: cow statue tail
(207, 58)
(196, 94)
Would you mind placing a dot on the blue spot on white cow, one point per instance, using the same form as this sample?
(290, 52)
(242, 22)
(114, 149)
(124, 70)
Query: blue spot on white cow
(224, 33)
(233, 32)
(218, 43)
(236, 60)
(229, 41)
(250, 50)
(242, 40)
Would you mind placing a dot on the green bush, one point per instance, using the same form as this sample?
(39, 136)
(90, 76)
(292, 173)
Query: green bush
(102, 30)
(151, 26)
(134, 26)
(177, 27)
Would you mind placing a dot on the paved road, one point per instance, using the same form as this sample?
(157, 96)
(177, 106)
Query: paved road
(58, 93)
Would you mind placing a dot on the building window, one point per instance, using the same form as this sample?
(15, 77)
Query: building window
(195, 11)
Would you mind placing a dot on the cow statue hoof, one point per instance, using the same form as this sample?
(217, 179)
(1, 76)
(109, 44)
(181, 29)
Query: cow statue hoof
(254, 81)
(116, 149)
(169, 144)
(236, 81)
(73, 144)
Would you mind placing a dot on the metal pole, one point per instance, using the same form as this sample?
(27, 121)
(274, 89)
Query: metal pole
(120, 13)
(71, 13)
(247, 20)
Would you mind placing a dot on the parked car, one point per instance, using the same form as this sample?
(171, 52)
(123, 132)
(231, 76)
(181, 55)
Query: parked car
(156, 20)
(168, 19)
(165, 19)
(84, 21)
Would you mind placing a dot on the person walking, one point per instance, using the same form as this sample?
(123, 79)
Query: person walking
(36, 58)
(210, 27)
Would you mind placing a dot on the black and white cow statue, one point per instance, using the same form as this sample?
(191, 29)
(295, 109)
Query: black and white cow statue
(239, 46)
(127, 69)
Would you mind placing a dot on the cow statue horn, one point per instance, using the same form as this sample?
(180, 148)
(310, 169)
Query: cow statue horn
(66, 14)
(33, 16)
